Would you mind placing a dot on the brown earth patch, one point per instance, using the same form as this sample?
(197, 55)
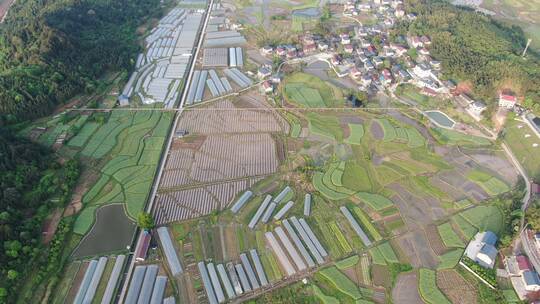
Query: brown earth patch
(380, 276)
(454, 286)
(434, 240)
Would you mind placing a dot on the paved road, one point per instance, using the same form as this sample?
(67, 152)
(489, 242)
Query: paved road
(150, 204)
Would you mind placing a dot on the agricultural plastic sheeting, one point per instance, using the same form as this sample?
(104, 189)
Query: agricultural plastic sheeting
(200, 86)
(259, 212)
(135, 285)
(243, 277)
(193, 87)
(226, 84)
(311, 246)
(96, 278)
(85, 282)
(158, 290)
(170, 252)
(215, 282)
(268, 212)
(212, 87)
(282, 194)
(113, 279)
(234, 279)
(239, 57)
(225, 280)
(299, 244)
(290, 249)
(282, 257)
(283, 210)
(258, 267)
(148, 284)
(307, 204)
(232, 57)
(241, 201)
(363, 236)
(313, 237)
(249, 271)
(217, 82)
(207, 283)
(235, 78)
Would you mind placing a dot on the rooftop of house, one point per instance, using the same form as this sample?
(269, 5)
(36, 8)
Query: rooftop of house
(523, 263)
(531, 278)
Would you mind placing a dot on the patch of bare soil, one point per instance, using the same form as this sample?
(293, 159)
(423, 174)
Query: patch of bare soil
(454, 286)
(50, 225)
(406, 289)
(376, 131)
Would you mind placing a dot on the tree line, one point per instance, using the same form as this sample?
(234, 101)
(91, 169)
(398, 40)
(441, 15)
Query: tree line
(477, 49)
(53, 50)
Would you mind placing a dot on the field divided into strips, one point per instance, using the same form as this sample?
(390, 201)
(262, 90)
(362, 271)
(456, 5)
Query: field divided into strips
(375, 201)
(343, 284)
(427, 286)
(450, 259)
(348, 262)
(356, 134)
(310, 91)
(304, 96)
(394, 133)
(132, 143)
(326, 126)
(325, 299)
(366, 223)
(484, 218)
(492, 185)
(449, 237)
(445, 136)
(332, 236)
(383, 254)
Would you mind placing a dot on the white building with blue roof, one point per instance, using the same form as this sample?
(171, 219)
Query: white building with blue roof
(482, 249)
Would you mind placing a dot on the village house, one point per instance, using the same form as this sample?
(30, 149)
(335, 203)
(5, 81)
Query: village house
(507, 101)
(267, 87)
(482, 249)
(475, 109)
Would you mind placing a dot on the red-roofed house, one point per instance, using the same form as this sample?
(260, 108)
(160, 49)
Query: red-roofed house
(523, 263)
(507, 101)
(142, 249)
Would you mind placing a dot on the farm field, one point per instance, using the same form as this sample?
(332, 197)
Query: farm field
(427, 285)
(522, 147)
(129, 146)
(227, 154)
(311, 92)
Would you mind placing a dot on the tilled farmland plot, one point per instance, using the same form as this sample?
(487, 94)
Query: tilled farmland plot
(190, 203)
(226, 150)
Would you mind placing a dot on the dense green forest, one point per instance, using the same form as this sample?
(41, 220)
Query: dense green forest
(476, 48)
(53, 50)
(32, 184)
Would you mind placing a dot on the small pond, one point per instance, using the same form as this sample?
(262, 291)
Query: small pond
(440, 119)
(311, 12)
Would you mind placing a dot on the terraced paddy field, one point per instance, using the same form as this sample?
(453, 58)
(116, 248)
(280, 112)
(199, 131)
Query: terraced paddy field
(118, 151)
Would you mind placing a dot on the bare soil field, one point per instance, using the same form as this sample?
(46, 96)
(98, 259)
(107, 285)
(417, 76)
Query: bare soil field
(229, 147)
(454, 286)
(406, 289)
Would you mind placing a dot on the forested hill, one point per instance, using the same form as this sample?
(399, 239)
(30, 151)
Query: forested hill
(51, 50)
(475, 48)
